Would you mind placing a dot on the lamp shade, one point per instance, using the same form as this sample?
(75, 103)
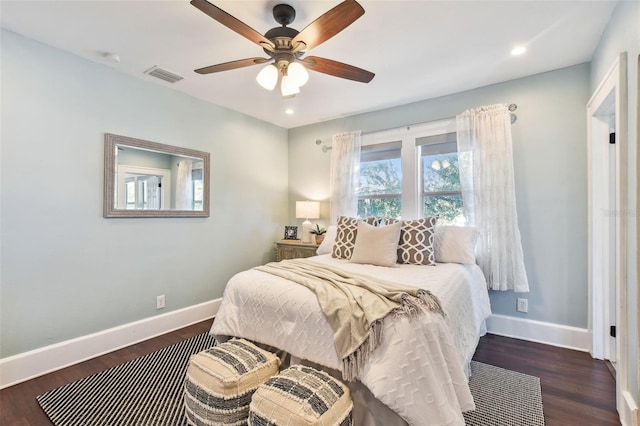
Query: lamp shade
(268, 77)
(307, 209)
(288, 87)
(298, 74)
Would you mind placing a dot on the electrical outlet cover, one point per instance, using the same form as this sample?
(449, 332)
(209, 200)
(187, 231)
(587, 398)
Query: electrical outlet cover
(522, 305)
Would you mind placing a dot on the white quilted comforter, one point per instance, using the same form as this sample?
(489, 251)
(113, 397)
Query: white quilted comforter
(419, 369)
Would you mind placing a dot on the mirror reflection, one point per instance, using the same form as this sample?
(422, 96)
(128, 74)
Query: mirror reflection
(148, 179)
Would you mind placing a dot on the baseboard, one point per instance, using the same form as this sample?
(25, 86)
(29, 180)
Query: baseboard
(542, 332)
(628, 410)
(28, 365)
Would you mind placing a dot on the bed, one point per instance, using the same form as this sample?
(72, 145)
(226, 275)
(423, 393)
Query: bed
(418, 375)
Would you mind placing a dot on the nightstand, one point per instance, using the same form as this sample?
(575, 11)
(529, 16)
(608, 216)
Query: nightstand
(293, 250)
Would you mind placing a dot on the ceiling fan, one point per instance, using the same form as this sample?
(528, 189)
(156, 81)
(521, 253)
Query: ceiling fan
(286, 46)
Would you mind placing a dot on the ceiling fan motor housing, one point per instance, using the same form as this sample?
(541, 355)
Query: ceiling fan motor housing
(284, 14)
(281, 38)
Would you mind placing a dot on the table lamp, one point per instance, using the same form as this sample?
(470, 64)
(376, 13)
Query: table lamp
(307, 210)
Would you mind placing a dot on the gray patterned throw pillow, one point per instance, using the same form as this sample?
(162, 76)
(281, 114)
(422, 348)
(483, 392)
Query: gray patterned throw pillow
(416, 241)
(346, 235)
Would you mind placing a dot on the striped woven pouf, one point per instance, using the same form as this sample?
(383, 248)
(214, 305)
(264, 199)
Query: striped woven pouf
(221, 380)
(301, 396)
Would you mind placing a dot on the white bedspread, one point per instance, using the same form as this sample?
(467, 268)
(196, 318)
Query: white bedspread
(419, 369)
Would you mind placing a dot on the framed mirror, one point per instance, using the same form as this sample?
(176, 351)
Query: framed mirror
(149, 179)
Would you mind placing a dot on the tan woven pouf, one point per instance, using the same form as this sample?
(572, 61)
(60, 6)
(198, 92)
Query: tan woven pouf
(301, 396)
(221, 380)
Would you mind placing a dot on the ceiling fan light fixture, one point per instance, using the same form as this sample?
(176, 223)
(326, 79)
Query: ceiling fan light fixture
(268, 77)
(288, 87)
(298, 74)
(285, 45)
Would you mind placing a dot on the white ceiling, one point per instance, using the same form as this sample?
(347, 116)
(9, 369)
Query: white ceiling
(417, 49)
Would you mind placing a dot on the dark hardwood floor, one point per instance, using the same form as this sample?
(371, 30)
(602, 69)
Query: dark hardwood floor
(576, 389)
(18, 406)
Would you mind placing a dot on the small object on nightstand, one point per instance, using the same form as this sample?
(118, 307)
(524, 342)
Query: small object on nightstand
(318, 233)
(286, 249)
(307, 210)
(291, 233)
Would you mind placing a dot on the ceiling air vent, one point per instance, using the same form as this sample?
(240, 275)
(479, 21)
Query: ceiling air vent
(163, 74)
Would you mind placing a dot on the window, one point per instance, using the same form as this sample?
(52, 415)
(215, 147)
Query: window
(440, 178)
(411, 172)
(380, 186)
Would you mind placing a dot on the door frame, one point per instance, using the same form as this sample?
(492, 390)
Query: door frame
(165, 174)
(612, 92)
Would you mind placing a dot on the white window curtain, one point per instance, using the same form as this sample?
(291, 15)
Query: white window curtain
(184, 186)
(485, 158)
(345, 174)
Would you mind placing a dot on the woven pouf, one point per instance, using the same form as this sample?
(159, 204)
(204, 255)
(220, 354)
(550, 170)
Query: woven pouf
(221, 380)
(301, 396)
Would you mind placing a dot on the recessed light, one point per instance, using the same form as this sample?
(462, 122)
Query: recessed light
(518, 50)
(288, 111)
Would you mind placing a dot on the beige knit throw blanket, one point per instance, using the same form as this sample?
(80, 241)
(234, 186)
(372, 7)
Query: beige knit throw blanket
(355, 306)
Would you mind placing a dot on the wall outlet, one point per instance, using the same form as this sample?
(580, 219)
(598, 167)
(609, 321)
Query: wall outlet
(160, 302)
(523, 305)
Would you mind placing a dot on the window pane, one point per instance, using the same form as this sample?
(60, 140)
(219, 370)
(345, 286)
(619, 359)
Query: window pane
(380, 207)
(380, 182)
(441, 183)
(448, 207)
(440, 172)
(380, 177)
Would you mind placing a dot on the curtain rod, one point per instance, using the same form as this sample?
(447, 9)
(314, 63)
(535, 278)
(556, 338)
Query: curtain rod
(325, 148)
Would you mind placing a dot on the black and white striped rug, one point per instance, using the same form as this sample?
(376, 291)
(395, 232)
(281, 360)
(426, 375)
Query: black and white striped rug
(144, 391)
(148, 391)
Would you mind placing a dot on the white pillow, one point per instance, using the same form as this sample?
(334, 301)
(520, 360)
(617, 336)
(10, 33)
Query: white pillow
(377, 245)
(326, 246)
(456, 244)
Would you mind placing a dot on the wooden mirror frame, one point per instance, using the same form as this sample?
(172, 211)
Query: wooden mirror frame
(111, 142)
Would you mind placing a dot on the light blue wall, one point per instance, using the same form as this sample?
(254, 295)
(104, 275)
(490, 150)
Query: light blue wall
(623, 35)
(550, 173)
(68, 272)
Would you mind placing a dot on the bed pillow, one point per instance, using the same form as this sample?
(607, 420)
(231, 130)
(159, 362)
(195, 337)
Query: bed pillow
(456, 244)
(376, 245)
(329, 240)
(347, 230)
(416, 241)
(375, 221)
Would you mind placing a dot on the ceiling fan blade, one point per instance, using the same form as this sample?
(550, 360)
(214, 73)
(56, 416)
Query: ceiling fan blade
(231, 22)
(329, 24)
(232, 65)
(337, 69)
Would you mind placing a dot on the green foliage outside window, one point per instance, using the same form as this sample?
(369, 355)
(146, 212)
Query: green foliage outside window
(448, 207)
(380, 177)
(379, 207)
(441, 186)
(380, 188)
(440, 172)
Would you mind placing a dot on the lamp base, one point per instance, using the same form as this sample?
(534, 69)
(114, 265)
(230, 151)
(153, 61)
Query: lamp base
(306, 231)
